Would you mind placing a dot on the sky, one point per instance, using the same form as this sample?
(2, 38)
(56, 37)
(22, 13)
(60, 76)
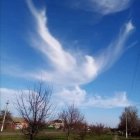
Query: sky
(88, 50)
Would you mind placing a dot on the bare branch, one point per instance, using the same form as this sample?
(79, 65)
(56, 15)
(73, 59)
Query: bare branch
(34, 107)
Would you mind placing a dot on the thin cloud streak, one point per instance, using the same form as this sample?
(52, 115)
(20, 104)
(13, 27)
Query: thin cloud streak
(116, 48)
(106, 7)
(65, 67)
(102, 7)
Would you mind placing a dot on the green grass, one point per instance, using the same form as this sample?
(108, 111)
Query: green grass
(102, 137)
(54, 136)
(10, 137)
(58, 136)
(129, 138)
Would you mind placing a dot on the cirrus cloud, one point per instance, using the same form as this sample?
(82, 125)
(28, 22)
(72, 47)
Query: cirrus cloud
(102, 7)
(66, 68)
(106, 7)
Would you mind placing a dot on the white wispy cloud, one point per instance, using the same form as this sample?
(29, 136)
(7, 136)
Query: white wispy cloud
(110, 6)
(66, 68)
(103, 7)
(116, 48)
(81, 98)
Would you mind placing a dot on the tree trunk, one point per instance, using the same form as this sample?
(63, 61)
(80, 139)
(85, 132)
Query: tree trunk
(31, 136)
(68, 134)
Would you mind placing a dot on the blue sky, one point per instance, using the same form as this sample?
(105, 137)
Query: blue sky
(88, 50)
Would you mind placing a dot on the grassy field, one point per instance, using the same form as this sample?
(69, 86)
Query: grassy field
(55, 138)
(123, 138)
(60, 136)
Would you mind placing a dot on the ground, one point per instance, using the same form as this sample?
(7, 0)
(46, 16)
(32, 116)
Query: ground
(59, 136)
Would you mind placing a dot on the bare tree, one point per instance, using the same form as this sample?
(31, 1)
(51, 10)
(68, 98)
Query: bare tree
(34, 107)
(98, 129)
(71, 117)
(129, 116)
(81, 129)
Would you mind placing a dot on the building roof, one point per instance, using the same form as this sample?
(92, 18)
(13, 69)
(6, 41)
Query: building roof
(18, 119)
